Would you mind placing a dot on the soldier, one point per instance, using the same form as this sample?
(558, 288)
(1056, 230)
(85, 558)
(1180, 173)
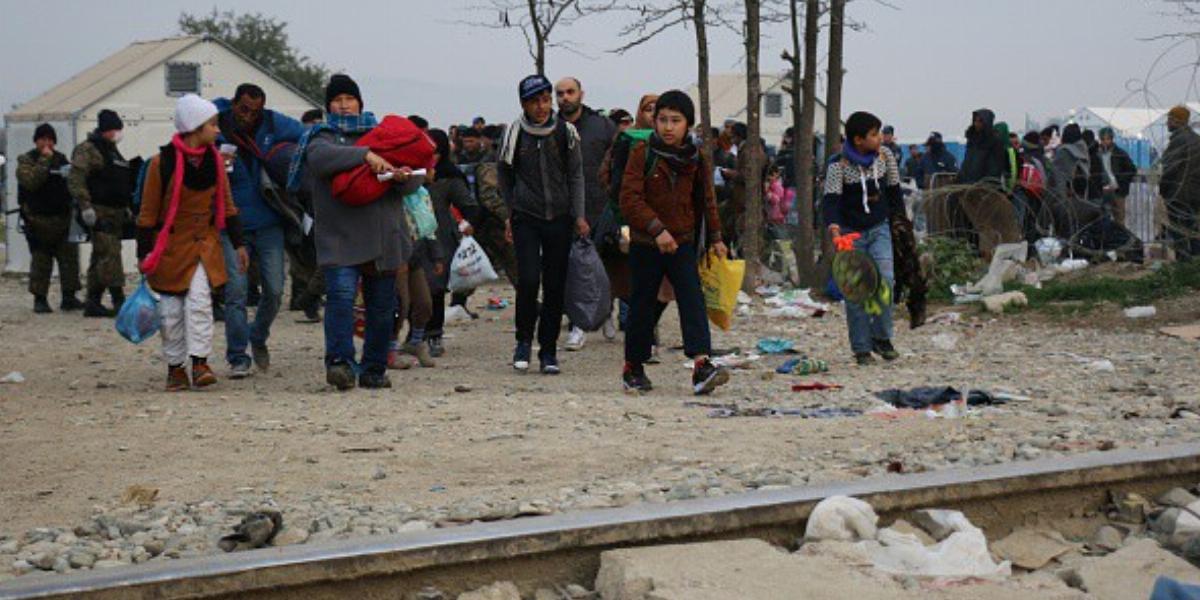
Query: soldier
(478, 162)
(100, 182)
(45, 206)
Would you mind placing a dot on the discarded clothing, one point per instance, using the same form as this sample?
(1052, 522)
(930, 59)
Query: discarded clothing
(802, 366)
(924, 397)
(776, 346)
(1166, 588)
(815, 386)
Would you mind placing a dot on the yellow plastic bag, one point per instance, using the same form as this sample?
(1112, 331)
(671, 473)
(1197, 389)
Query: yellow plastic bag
(721, 280)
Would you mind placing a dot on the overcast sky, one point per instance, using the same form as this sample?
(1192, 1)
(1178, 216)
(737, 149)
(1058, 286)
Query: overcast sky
(925, 66)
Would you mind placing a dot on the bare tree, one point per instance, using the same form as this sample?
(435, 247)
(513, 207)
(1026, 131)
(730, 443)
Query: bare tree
(539, 21)
(655, 18)
(833, 89)
(804, 99)
(755, 155)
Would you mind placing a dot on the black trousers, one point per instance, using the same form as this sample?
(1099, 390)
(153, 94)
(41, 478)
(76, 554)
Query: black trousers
(542, 248)
(648, 267)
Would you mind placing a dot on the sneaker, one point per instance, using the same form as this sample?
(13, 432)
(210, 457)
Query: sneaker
(436, 349)
(41, 306)
(421, 352)
(202, 375)
(457, 314)
(177, 379)
(371, 380)
(70, 302)
(864, 359)
(239, 369)
(340, 376)
(521, 356)
(654, 359)
(610, 330)
(635, 379)
(549, 365)
(707, 377)
(262, 357)
(884, 349)
(397, 361)
(575, 340)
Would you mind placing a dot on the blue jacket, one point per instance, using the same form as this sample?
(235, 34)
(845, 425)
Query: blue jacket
(245, 180)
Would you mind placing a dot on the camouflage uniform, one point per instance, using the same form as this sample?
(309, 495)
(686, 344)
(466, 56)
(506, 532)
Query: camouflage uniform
(47, 222)
(88, 162)
(489, 232)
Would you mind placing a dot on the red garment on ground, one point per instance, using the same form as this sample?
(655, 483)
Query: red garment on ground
(397, 141)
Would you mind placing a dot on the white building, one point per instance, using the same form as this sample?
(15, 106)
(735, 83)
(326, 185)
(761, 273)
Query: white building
(141, 83)
(1130, 122)
(727, 92)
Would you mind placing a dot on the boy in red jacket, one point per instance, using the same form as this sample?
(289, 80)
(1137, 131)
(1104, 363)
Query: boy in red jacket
(667, 198)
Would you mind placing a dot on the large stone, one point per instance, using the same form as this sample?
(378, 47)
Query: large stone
(1177, 525)
(501, 590)
(1032, 548)
(1130, 572)
(1108, 538)
(290, 536)
(755, 570)
(1177, 497)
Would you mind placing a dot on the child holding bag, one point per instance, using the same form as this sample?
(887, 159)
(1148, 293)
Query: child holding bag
(186, 203)
(666, 191)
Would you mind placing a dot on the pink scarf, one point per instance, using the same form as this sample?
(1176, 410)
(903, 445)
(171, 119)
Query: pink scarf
(150, 263)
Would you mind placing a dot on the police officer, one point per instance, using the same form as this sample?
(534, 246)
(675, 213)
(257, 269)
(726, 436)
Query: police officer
(45, 206)
(101, 184)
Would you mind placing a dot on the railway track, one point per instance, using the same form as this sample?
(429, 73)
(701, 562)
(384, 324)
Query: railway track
(543, 551)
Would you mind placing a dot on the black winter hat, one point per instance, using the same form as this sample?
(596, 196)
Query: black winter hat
(108, 120)
(341, 84)
(45, 130)
(677, 100)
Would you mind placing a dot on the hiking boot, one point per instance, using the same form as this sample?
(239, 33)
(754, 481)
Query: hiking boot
(884, 349)
(262, 357)
(370, 380)
(93, 308)
(549, 365)
(610, 330)
(436, 349)
(521, 356)
(177, 379)
(239, 369)
(635, 379)
(575, 340)
(41, 306)
(118, 298)
(397, 361)
(312, 312)
(202, 375)
(70, 302)
(421, 352)
(707, 377)
(340, 376)
(916, 314)
(864, 359)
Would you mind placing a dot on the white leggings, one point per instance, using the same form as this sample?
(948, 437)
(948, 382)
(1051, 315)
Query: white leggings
(187, 321)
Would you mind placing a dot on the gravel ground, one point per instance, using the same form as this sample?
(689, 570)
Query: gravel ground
(88, 422)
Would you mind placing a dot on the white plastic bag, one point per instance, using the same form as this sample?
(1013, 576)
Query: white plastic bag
(470, 267)
(841, 518)
(964, 553)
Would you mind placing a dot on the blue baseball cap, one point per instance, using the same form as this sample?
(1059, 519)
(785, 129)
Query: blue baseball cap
(532, 86)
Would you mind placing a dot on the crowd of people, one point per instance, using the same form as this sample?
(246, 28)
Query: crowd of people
(369, 212)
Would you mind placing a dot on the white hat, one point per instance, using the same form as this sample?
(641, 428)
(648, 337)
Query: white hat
(191, 112)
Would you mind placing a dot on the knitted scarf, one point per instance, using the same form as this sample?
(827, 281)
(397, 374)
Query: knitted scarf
(508, 147)
(150, 263)
(857, 158)
(338, 123)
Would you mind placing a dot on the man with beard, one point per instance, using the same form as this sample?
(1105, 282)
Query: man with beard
(246, 123)
(596, 134)
(1180, 183)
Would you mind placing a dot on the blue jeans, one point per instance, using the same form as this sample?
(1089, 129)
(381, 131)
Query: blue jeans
(864, 328)
(379, 295)
(266, 248)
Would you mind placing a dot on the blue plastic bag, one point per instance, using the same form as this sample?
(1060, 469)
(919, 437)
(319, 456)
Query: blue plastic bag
(139, 320)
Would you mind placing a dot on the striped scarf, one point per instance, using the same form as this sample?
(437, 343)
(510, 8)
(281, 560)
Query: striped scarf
(337, 123)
